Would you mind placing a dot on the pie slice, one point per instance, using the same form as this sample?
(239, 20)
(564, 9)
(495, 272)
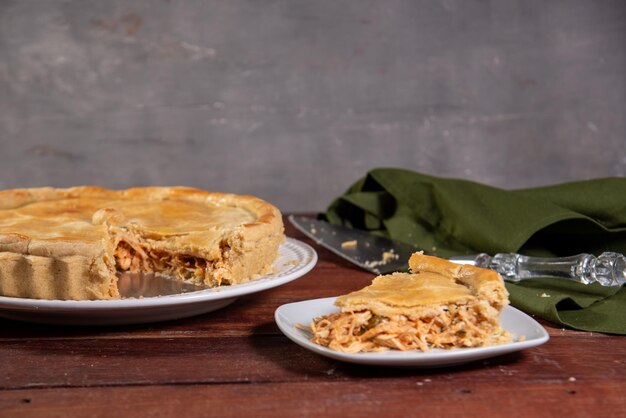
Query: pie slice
(69, 243)
(438, 305)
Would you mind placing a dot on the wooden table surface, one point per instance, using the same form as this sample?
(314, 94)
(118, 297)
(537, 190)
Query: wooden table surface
(235, 362)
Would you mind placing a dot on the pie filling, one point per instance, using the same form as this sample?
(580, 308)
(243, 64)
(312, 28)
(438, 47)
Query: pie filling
(135, 255)
(454, 326)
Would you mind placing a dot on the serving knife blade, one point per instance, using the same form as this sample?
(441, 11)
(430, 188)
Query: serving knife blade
(145, 285)
(381, 255)
(374, 253)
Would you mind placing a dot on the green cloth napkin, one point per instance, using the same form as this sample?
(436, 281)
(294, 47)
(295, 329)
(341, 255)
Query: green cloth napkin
(452, 217)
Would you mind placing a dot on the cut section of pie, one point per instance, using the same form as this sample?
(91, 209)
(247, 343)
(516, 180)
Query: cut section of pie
(438, 305)
(69, 243)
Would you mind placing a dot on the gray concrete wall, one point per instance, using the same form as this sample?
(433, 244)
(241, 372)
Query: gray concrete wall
(294, 100)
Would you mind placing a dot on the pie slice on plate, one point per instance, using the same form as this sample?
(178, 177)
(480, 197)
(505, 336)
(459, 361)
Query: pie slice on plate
(438, 304)
(69, 243)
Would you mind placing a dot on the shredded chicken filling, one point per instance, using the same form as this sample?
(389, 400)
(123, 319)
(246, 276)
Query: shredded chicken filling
(363, 331)
(133, 257)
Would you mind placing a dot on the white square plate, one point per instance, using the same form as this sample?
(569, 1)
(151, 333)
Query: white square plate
(520, 325)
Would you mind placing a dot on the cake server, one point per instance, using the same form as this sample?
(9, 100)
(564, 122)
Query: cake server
(381, 255)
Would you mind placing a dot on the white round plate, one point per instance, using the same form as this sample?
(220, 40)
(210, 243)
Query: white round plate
(520, 325)
(295, 260)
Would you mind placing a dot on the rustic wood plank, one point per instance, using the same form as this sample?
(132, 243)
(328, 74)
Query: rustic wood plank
(413, 396)
(263, 358)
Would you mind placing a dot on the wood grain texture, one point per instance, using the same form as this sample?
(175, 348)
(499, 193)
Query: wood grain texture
(235, 362)
(410, 396)
(262, 358)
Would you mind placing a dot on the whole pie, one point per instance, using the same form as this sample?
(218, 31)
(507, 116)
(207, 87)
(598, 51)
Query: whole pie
(438, 304)
(69, 243)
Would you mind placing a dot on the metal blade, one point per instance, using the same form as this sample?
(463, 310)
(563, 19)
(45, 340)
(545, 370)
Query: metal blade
(374, 253)
(146, 285)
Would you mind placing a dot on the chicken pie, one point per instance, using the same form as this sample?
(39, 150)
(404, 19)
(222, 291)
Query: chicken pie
(69, 243)
(438, 304)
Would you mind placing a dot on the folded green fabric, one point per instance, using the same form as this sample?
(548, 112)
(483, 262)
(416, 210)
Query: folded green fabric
(452, 217)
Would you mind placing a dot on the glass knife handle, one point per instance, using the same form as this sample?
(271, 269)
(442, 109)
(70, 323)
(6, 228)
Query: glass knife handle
(608, 269)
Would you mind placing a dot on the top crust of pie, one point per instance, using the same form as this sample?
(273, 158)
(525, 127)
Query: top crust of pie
(432, 283)
(484, 283)
(405, 290)
(59, 222)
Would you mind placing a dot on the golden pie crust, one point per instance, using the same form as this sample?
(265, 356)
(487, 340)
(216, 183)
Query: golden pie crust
(438, 304)
(69, 243)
